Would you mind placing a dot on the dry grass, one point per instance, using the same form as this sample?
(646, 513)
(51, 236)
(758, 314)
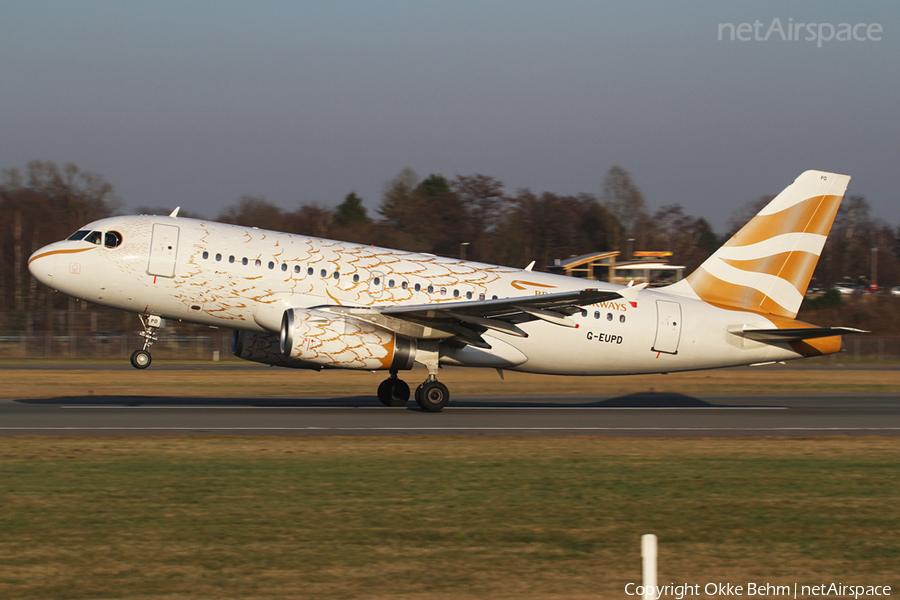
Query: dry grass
(437, 517)
(255, 382)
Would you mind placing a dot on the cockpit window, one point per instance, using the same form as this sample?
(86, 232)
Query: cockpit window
(94, 237)
(112, 239)
(79, 235)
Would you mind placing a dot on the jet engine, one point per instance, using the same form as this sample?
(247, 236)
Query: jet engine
(344, 342)
(264, 348)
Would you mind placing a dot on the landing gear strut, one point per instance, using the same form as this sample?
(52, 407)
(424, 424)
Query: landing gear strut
(431, 395)
(393, 391)
(141, 359)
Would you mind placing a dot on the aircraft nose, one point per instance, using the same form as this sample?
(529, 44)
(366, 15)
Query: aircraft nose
(41, 264)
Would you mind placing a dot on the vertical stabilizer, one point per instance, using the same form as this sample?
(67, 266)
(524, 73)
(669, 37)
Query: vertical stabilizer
(766, 266)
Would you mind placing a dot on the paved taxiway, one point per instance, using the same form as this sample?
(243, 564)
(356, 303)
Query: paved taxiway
(646, 414)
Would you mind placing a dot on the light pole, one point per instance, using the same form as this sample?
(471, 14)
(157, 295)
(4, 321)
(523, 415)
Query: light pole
(874, 265)
(462, 250)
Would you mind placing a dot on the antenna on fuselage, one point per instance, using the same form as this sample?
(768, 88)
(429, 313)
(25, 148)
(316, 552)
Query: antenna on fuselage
(174, 213)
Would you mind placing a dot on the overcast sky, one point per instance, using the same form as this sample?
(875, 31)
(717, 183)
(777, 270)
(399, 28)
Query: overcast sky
(196, 103)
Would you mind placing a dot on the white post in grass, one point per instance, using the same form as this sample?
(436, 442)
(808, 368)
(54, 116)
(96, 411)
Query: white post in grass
(648, 564)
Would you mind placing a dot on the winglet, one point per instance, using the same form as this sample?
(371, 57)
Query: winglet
(174, 213)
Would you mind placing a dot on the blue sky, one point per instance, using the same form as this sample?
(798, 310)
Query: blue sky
(195, 103)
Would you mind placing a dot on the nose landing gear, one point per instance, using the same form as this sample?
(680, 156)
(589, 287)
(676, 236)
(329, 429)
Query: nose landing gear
(141, 359)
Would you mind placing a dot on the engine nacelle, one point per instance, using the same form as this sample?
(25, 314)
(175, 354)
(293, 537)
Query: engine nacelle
(264, 348)
(343, 342)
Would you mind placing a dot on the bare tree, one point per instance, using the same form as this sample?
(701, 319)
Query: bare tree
(42, 205)
(254, 211)
(625, 202)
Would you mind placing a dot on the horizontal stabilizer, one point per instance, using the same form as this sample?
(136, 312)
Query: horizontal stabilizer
(792, 335)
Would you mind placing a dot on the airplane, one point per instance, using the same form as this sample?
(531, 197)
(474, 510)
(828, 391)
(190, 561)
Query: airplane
(308, 303)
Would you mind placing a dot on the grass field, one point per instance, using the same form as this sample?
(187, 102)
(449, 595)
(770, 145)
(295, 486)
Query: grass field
(438, 517)
(255, 382)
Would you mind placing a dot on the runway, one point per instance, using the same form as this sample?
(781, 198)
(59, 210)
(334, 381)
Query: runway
(635, 415)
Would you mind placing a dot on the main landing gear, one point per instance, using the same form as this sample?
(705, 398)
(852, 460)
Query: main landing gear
(393, 391)
(141, 359)
(431, 395)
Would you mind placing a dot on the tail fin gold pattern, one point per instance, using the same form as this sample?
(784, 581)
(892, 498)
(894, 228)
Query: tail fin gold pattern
(767, 265)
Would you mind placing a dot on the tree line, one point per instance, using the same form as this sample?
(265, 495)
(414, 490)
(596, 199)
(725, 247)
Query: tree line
(467, 215)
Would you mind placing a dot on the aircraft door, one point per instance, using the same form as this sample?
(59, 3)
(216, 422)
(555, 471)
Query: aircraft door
(668, 327)
(163, 250)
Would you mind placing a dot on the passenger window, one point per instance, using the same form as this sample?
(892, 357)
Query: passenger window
(417, 287)
(78, 235)
(244, 261)
(468, 295)
(336, 275)
(323, 273)
(257, 263)
(296, 268)
(356, 278)
(430, 289)
(404, 285)
(218, 258)
(231, 259)
(390, 283)
(309, 271)
(284, 266)
(113, 239)
(94, 237)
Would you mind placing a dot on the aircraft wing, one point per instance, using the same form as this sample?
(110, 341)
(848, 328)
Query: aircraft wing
(467, 320)
(503, 308)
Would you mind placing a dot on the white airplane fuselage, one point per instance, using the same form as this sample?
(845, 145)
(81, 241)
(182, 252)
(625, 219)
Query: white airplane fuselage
(244, 279)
